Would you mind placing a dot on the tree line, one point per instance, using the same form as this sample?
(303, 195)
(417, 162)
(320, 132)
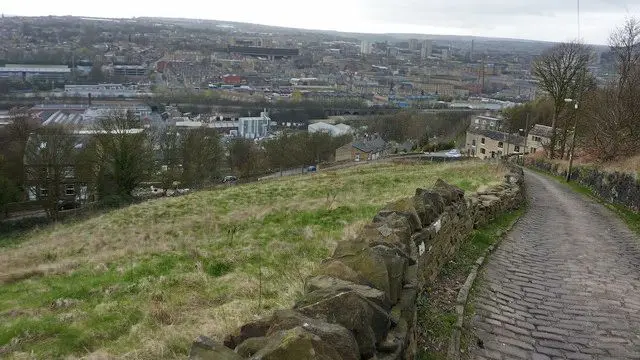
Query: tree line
(604, 114)
(425, 128)
(118, 156)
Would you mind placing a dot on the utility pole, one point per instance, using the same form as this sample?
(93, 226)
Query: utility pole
(573, 140)
(526, 137)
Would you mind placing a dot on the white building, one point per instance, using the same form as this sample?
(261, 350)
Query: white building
(129, 70)
(106, 90)
(426, 49)
(100, 112)
(333, 130)
(254, 127)
(35, 72)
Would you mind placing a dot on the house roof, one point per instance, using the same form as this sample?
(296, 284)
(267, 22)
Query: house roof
(63, 118)
(370, 146)
(541, 130)
(514, 139)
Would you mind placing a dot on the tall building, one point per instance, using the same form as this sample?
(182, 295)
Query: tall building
(445, 54)
(365, 47)
(471, 51)
(254, 127)
(426, 49)
(413, 44)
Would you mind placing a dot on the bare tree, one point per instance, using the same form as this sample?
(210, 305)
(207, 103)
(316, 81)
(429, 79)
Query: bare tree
(559, 71)
(170, 144)
(613, 112)
(49, 162)
(246, 158)
(625, 44)
(123, 154)
(23, 122)
(202, 156)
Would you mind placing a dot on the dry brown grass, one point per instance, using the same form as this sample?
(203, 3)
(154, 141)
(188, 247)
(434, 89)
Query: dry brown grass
(147, 279)
(629, 165)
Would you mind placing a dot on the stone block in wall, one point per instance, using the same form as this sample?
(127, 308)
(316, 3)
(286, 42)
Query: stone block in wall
(391, 232)
(406, 307)
(411, 277)
(378, 297)
(396, 263)
(252, 329)
(296, 344)
(337, 335)
(394, 345)
(204, 348)
(251, 346)
(429, 205)
(367, 264)
(368, 322)
(403, 207)
(339, 270)
(450, 193)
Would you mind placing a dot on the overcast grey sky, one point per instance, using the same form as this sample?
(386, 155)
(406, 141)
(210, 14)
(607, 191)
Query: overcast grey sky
(554, 20)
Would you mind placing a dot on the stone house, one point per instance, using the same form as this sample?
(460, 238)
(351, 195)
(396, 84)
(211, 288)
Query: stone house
(538, 138)
(488, 144)
(365, 150)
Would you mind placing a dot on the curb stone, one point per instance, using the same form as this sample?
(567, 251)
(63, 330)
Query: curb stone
(453, 352)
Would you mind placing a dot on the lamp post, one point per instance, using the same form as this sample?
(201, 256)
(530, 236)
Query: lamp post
(573, 138)
(525, 132)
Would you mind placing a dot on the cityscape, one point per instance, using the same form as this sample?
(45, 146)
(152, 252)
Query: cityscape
(177, 188)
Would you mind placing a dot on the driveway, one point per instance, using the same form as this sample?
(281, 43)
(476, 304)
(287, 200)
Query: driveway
(564, 283)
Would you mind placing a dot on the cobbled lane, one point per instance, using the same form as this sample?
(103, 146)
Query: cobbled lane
(563, 284)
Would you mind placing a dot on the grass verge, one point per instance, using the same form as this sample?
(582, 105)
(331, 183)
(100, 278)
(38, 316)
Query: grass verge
(142, 282)
(436, 307)
(630, 217)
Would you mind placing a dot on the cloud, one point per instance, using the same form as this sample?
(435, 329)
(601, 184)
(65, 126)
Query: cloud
(553, 20)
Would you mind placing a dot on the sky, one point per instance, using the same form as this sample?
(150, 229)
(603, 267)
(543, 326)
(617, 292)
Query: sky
(550, 20)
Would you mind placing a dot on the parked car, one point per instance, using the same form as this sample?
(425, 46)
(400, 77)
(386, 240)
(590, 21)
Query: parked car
(67, 204)
(454, 153)
(311, 168)
(230, 179)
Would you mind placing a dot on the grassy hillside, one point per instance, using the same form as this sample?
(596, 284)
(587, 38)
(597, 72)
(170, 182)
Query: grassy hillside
(143, 281)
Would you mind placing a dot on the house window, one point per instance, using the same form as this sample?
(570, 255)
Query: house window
(44, 193)
(32, 193)
(357, 157)
(473, 142)
(516, 148)
(482, 151)
(500, 144)
(482, 141)
(533, 150)
(69, 172)
(536, 138)
(70, 190)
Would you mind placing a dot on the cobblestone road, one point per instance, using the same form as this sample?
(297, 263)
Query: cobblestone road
(564, 284)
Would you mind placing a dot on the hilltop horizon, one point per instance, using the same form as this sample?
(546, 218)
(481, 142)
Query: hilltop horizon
(357, 34)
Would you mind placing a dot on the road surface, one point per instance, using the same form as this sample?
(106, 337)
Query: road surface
(564, 283)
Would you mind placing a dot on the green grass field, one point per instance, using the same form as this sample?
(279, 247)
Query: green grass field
(143, 281)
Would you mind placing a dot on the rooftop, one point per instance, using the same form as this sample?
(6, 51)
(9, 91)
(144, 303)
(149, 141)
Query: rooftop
(369, 146)
(16, 68)
(541, 130)
(499, 136)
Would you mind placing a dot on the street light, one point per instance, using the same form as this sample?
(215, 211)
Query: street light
(573, 138)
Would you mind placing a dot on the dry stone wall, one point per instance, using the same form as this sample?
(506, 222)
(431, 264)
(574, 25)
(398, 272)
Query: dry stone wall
(614, 187)
(361, 303)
